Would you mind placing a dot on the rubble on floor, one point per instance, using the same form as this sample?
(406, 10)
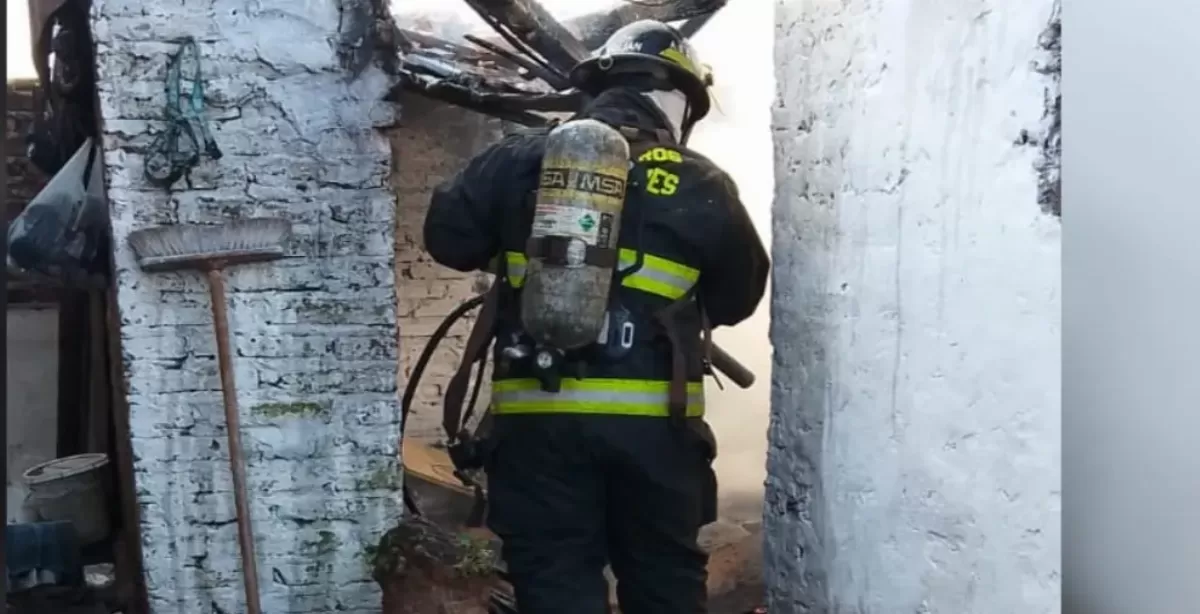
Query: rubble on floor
(422, 568)
(735, 573)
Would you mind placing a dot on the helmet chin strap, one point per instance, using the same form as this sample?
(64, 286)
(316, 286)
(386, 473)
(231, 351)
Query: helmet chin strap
(673, 105)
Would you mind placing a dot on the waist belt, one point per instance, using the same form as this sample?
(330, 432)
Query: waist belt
(625, 397)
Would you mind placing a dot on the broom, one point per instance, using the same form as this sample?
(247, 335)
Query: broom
(210, 249)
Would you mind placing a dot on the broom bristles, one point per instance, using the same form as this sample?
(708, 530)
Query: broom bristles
(202, 246)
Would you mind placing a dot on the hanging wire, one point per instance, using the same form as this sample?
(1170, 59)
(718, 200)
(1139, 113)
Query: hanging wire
(178, 149)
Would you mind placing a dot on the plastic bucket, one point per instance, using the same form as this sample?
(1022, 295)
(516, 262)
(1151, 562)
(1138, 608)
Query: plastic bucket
(71, 489)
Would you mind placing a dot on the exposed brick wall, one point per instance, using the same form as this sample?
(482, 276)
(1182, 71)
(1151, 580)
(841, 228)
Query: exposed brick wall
(24, 179)
(431, 142)
(315, 334)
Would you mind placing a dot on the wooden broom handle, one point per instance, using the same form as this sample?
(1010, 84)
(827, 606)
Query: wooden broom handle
(233, 429)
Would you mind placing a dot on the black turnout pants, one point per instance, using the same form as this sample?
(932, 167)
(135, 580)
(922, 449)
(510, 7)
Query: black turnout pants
(569, 493)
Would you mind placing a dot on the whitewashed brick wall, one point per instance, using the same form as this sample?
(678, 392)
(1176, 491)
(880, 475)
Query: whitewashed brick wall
(315, 334)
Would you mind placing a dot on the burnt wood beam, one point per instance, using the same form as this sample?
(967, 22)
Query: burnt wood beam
(415, 41)
(533, 25)
(450, 70)
(491, 80)
(425, 53)
(595, 28)
(487, 77)
(531, 68)
(517, 108)
(490, 54)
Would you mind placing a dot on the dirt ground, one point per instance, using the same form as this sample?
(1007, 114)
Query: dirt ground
(735, 572)
(734, 542)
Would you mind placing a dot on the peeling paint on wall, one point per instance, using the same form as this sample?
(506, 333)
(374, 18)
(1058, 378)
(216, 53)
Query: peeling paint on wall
(1049, 167)
(1047, 140)
(314, 334)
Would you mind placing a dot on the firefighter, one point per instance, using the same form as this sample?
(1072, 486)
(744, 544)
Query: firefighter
(613, 468)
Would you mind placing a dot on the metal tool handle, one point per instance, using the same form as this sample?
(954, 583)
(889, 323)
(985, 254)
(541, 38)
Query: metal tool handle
(736, 371)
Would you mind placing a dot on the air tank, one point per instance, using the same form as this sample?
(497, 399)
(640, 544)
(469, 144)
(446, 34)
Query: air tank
(573, 246)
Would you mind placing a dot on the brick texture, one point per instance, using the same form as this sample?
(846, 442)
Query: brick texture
(315, 334)
(431, 143)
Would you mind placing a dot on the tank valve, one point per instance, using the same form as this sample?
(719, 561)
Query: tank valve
(546, 365)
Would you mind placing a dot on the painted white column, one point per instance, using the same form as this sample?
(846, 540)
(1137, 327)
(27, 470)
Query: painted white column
(915, 436)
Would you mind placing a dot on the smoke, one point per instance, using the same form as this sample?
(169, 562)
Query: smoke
(738, 44)
(442, 18)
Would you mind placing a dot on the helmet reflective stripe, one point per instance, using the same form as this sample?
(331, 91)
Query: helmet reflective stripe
(628, 397)
(657, 275)
(682, 60)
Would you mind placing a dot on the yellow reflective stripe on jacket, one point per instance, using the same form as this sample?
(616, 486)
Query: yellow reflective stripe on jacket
(625, 397)
(516, 263)
(657, 276)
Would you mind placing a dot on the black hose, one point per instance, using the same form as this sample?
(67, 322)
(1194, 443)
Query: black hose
(479, 370)
(410, 388)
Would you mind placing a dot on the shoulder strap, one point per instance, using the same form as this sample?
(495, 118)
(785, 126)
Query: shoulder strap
(677, 395)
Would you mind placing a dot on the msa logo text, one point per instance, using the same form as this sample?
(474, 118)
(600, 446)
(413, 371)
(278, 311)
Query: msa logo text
(583, 181)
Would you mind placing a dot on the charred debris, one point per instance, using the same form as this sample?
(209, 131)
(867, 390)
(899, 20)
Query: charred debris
(520, 74)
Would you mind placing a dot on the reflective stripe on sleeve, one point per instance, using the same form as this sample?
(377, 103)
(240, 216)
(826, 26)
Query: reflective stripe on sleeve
(657, 275)
(516, 263)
